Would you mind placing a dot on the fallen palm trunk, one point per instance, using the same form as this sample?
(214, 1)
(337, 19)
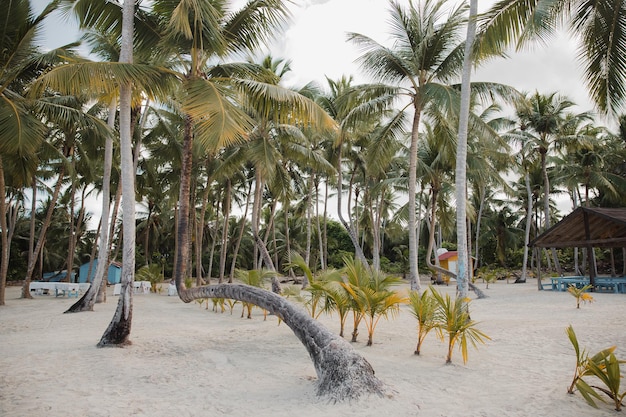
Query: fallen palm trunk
(342, 373)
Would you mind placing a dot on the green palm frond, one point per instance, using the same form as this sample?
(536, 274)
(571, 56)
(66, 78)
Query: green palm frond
(103, 78)
(272, 102)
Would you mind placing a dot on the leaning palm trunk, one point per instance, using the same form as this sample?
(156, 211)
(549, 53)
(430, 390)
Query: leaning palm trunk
(342, 373)
(88, 300)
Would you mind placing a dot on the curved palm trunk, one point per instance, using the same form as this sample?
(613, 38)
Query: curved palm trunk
(342, 373)
(118, 331)
(353, 237)
(256, 214)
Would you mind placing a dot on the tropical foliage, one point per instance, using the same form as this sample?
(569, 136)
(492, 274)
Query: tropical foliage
(604, 366)
(266, 189)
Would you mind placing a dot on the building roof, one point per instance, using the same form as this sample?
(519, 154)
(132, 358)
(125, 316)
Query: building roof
(585, 226)
(448, 255)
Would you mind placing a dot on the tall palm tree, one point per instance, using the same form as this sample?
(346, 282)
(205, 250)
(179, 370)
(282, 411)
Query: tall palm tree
(211, 31)
(426, 55)
(599, 29)
(463, 275)
(118, 331)
(542, 119)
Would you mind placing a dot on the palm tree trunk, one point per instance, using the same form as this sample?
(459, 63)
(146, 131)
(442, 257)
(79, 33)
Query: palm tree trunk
(529, 219)
(412, 188)
(118, 331)
(182, 234)
(97, 290)
(42, 234)
(226, 210)
(353, 237)
(200, 229)
(4, 257)
(461, 158)
(342, 373)
(240, 235)
(546, 206)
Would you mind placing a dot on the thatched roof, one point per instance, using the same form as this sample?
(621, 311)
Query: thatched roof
(596, 227)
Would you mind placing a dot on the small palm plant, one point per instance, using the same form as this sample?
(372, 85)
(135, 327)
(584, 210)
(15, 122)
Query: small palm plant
(150, 273)
(608, 371)
(337, 300)
(580, 294)
(423, 308)
(604, 366)
(315, 304)
(356, 277)
(379, 301)
(582, 362)
(453, 320)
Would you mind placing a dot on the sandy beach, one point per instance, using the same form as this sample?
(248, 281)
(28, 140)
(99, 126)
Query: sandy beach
(186, 360)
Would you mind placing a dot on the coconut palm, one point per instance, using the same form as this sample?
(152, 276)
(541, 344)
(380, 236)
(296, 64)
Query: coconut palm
(21, 130)
(599, 29)
(542, 119)
(426, 57)
(454, 323)
(423, 309)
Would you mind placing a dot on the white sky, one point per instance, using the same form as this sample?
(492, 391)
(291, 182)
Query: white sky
(316, 44)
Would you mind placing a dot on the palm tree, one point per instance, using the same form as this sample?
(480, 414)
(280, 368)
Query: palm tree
(118, 331)
(542, 119)
(461, 157)
(427, 55)
(598, 26)
(21, 132)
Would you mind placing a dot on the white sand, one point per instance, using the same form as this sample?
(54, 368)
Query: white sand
(187, 361)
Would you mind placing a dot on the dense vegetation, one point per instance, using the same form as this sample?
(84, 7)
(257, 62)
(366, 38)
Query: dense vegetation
(289, 171)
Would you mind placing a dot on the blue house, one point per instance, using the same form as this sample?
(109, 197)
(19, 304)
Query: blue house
(114, 275)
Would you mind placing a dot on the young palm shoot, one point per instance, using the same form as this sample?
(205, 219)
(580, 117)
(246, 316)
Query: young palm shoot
(379, 301)
(423, 308)
(604, 366)
(608, 371)
(582, 363)
(580, 294)
(357, 275)
(337, 300)
(454, 322)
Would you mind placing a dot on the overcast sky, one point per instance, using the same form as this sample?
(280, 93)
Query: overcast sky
(316, 44)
